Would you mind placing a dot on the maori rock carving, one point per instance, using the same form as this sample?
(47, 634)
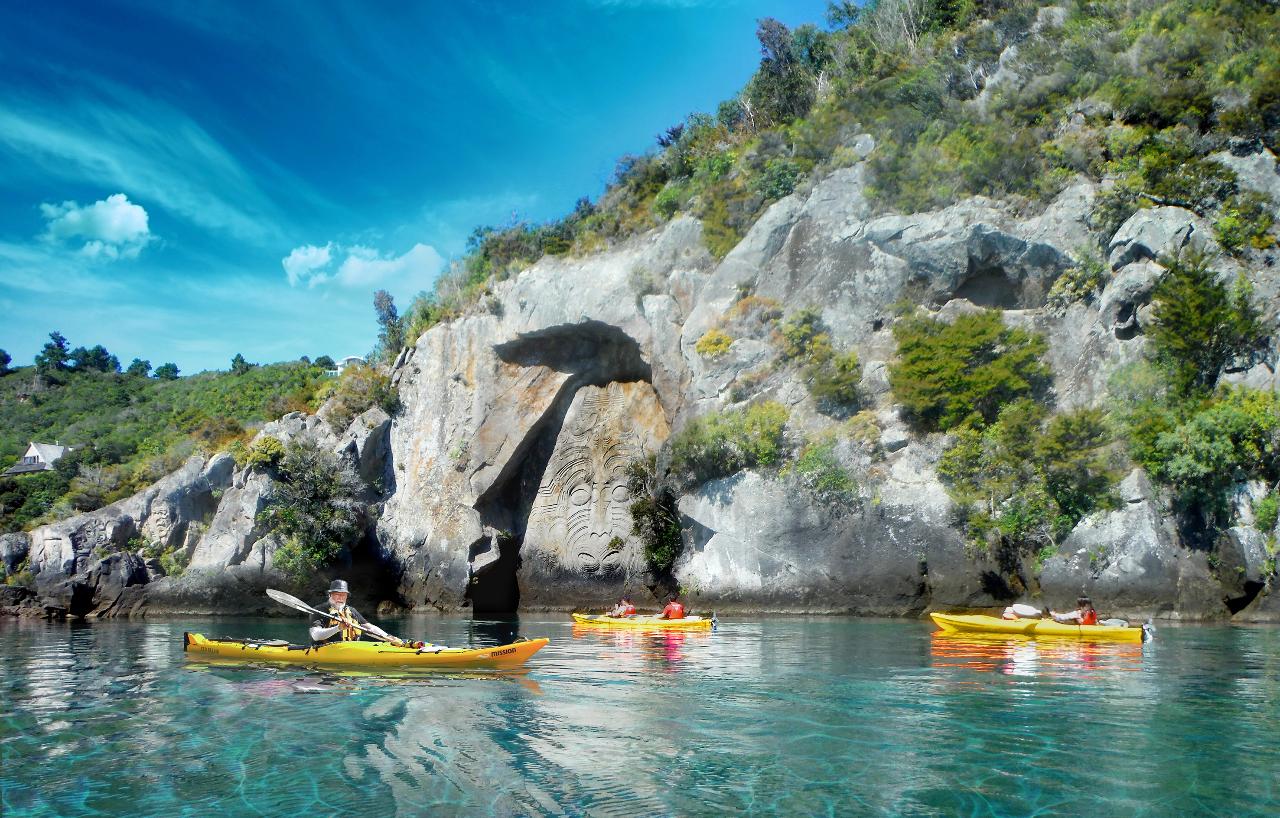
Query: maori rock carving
(580, 519)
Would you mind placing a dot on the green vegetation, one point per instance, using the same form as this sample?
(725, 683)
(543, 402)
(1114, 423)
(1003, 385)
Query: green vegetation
(265, 453)
(1245, 221)
(655, 519)
(128, 430)
(963, 373)
(313, 509)
(1023, 482)
(1266, 512)
(832, 377)
(1200, 325)
(723, 443)
(713, 343)
(360, 387)
(819, 471)
(1081, 282)
(1203, 448)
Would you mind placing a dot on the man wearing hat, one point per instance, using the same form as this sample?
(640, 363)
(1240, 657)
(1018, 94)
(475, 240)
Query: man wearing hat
(340, 623)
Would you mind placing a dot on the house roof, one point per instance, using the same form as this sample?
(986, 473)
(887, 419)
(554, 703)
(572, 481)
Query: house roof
(49, 452)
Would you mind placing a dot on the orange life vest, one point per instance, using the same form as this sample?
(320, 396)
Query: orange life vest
(1089, 617)
(674, 610)
(347, 622)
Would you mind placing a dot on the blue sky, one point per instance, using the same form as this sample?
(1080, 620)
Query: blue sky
(185, 181)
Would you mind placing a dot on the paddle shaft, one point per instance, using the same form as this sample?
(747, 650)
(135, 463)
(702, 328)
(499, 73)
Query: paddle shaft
(298, 605)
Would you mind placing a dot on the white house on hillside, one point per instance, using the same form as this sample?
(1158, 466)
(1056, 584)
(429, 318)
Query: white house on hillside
(350, 360)
(39, 457)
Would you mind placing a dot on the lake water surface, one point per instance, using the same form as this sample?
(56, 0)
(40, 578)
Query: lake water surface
(785, 716)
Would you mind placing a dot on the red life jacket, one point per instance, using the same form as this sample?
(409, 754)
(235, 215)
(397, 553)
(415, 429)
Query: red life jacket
(629, 610)
(674, 610)
(1089, 617)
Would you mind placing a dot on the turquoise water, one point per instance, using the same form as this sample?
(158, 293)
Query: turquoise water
(778, 716)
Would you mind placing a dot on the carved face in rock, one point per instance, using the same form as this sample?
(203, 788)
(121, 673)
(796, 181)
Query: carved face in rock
(583, 503)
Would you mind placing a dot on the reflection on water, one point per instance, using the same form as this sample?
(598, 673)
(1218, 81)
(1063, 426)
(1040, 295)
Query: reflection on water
(1024, 656)
(780, 716)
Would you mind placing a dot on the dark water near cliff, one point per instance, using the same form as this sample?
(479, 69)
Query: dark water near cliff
(780, 716)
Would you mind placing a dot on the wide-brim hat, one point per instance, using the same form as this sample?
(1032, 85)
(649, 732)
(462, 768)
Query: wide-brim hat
(338, 586)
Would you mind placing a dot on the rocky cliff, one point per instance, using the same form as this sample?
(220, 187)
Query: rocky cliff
(501, 483)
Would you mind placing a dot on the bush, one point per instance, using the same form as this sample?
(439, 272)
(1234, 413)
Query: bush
(779, 178)
(1226, 441)
(1266, 512)
(820, 473)
(312, 509)
(265, 453)
(174, 562)
(1199, 326)
(359, 388)
(655, 519)
(713, 343)
(832, 377)
(1245, 221)
(723, 443)
(963, 373)
(1027, 479)
(1080, 283)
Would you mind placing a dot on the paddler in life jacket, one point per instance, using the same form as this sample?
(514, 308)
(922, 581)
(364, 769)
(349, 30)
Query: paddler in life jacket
(338, 626)
(623, 608)
(674, 609)
(1084, 614)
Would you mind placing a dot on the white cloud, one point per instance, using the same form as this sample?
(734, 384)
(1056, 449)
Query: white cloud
(365, 267)
(362, 266)
(111, 228)
(306, 263)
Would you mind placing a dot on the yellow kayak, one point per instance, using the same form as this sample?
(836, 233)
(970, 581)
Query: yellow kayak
(689, 623)
(976, 623)
(362, 654)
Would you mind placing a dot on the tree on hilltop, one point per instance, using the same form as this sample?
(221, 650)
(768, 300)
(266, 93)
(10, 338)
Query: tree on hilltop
(54, 355)
(139, 367)
(167, 372)
(4, 362)
(94, 359)
(239, 365)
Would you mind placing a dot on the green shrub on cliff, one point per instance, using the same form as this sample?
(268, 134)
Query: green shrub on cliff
(820, 472)
(1024, 481)
(655, 519)
(1199, 325)
(358, 389)
(313, 509)
(1208, 448)
(962, 373)
(832, 377)
(719, 444)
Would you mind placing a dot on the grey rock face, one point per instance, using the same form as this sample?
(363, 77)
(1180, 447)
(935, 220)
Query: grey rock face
(13, 552)
(1132, 561)
(1241, 564)
(1153, 233)
(1255, 171)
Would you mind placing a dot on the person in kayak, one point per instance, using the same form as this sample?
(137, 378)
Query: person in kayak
(339, 625)
(674, 609)
(623, 608)
(1084, 614)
